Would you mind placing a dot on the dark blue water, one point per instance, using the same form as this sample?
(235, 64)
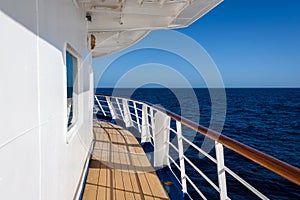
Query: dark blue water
(266, 119)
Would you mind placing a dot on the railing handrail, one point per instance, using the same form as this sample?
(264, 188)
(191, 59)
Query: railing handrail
(275, 165)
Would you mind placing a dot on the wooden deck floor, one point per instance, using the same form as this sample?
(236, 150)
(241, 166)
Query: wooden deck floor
(119, 168)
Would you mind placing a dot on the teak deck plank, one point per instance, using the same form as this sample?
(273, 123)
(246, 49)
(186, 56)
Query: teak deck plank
(119, 168)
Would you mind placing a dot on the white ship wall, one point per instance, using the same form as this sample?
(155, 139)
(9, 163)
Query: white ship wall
(39, 158)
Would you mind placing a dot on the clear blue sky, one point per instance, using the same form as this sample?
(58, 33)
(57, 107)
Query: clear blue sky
(254, 43)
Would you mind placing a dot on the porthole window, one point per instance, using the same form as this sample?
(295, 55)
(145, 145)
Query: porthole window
(72, 63)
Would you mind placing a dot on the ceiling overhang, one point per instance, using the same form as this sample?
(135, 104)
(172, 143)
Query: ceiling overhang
(117, 24)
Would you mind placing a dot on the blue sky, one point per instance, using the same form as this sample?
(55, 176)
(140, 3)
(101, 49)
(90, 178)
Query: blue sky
(253, 43)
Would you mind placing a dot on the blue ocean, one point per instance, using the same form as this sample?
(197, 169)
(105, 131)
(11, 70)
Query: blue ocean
(266, 119)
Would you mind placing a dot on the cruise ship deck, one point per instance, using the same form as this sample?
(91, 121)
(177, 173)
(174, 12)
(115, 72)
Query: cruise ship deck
(119, 168)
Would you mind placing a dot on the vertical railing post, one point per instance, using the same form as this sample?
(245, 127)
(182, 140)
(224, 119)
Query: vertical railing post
(161, 139)
(145, 135)
(181, 158)
(152, 122)
(152, 119)
(127, 116)
(100, 106)
(221, 170)
(137, 117)
(119, 107)
(111, 108)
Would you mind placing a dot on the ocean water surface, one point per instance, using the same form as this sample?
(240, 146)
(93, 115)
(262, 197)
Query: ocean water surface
(266, 119)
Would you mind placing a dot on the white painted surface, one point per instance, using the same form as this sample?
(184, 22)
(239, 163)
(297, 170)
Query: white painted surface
(145, 134)
(111, 108)
(19, 141)
(221, 170)
(36, 160)
(127, 116)
(17, 69)
(180, 156)
(119, 24)
(62, 22)
(161, 138)
(19, 169)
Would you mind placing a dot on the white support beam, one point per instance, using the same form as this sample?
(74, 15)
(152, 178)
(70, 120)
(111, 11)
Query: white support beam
(111, 108)
(152, 121)
(181, 157)
(161, 137)
(221, 171)
(127, 116)
(137, 117)
(145, 136)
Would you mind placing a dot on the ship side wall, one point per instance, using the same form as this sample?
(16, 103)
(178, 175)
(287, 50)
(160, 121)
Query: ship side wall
(40, 157)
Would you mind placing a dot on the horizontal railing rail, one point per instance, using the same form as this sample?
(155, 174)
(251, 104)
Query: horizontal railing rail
(275, 165)
(153, 123)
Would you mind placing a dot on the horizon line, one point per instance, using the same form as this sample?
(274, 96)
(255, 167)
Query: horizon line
(250, 87)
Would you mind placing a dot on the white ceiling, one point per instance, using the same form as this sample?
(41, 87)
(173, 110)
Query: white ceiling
(118, 24)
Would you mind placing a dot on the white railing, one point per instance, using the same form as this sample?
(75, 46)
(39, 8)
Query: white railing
(153, 123)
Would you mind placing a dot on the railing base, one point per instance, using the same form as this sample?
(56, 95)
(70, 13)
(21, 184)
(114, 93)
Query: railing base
(174, 190)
